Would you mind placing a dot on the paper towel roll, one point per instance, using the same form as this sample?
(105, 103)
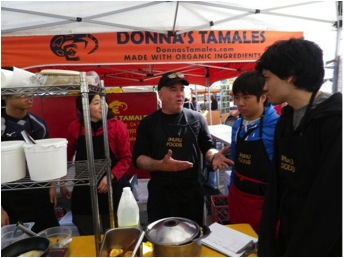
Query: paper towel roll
(6, 78)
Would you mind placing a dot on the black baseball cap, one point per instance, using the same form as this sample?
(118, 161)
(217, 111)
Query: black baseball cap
(170, 78)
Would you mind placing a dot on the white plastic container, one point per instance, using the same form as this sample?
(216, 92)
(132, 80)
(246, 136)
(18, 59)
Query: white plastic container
(6, 78)
(59, 237)
(20, 78)
(11, 233)
(47, 159)
(128, 213)
(12, 161)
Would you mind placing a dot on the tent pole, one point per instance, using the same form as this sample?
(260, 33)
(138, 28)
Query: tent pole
(196, 95)
(207, 85)
(339, 10)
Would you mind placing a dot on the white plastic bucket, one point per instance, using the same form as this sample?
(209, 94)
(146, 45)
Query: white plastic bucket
(47, 159)
(12, 161)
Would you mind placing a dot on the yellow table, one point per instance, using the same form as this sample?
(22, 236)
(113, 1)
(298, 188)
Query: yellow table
(84, 246)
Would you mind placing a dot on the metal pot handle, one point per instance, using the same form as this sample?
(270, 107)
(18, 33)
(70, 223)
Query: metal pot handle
(205, 232)
(26, 230)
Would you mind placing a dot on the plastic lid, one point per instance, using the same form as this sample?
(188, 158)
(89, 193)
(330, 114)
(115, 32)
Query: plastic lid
(172, 231)
(11, 145)
(52, 142)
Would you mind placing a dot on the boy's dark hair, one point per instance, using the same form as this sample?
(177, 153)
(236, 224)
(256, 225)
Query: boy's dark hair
(250, 83)
(299, 58)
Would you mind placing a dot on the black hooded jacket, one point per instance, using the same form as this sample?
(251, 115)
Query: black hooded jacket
(317, 229)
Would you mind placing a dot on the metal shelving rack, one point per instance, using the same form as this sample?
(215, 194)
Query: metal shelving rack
(225, 100)
(87, 172)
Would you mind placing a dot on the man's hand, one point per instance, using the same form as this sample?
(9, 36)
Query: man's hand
(5, 219)
(170, 164)
(166, 164)
(65, 192)
(220, 161)
(53, 196)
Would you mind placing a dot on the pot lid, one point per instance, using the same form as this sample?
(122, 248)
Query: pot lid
(172, 231)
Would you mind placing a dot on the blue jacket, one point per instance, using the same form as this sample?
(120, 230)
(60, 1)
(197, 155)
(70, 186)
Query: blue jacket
(269, 123)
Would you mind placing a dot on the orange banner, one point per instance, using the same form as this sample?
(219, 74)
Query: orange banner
(138, 47)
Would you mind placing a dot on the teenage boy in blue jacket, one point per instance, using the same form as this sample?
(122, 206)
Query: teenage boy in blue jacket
(252, 148)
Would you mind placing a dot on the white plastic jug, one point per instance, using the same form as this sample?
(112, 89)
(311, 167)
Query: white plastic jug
(128, 213)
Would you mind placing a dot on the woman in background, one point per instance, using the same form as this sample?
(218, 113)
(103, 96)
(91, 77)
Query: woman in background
(120, 155)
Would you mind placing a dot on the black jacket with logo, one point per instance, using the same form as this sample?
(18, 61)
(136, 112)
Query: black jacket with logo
(314, 216)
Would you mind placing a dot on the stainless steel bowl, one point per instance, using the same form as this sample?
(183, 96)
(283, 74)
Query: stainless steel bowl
(120, 238)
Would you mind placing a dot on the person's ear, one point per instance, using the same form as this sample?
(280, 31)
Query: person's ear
(290, 79)
(263, 97)
(161, 94)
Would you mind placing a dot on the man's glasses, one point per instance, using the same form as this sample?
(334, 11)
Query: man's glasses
(176, 75)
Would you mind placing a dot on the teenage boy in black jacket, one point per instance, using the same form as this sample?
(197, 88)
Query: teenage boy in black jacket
(302, 213)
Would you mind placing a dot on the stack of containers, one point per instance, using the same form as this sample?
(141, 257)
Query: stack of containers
(46, 160)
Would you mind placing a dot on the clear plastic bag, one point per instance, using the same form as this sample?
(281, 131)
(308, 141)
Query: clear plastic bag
(63, 79)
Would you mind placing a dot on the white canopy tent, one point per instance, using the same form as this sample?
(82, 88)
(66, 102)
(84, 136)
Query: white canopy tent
(318, 20)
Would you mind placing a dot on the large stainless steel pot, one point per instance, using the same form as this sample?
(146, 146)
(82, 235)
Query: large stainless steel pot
(176, 236)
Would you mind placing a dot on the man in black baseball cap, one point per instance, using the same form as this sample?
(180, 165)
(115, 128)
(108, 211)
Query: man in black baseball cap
(170, 78)
(167, 144)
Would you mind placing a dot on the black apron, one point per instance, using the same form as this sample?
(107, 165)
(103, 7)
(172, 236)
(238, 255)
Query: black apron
(296, 168)
(29, 205)
(81, 195)
(177, 194)
(252, 169)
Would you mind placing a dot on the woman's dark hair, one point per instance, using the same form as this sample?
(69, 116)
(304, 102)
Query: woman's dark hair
(299, 58)
(250, 83)
(90, 98)
(79, 101)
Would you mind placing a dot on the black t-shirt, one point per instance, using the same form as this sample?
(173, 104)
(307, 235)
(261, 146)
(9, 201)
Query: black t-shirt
(185, 133)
